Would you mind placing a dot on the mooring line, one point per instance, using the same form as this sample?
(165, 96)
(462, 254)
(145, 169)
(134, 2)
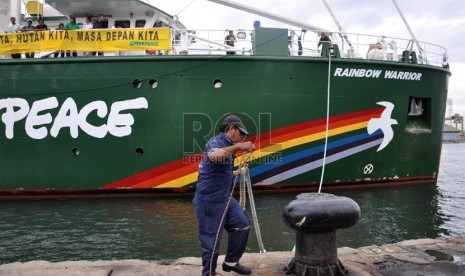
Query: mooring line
(327, 123)
(245, 174)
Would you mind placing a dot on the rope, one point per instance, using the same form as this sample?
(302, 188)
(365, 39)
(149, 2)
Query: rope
(242, 197)
(327, 124)
(246, 176)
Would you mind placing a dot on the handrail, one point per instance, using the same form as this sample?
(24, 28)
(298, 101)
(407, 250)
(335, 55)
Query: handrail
(211, 42)
(391, 48)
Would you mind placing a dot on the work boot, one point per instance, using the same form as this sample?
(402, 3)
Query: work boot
(238, 268)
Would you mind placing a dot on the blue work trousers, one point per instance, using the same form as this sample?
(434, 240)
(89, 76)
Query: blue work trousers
(235, 223)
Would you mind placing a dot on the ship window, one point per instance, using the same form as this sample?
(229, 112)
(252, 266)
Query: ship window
(241, 35)
(122, 24)
(419, 115)
(140, 23)
(158, 24)
(139, 151)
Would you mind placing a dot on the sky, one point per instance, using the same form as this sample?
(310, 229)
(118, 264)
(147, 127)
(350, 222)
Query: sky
(440, 22)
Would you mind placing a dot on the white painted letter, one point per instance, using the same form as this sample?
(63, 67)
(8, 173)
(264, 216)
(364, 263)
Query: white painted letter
(376, 73)
(11, 116)
(119, 125)
(66, 117)
(102, 111)
(337, 72)
(34, 119)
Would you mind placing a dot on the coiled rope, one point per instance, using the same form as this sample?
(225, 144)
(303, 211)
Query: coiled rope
(247, 183)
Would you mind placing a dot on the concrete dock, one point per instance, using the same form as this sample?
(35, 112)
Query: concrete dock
(442, 256)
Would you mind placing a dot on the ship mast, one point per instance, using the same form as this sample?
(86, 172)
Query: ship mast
(408, 28)
(342, 33)
(269, 15)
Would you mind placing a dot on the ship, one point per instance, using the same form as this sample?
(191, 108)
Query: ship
(361, 111)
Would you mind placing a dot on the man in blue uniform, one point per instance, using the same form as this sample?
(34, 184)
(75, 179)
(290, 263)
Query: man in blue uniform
(213, 189)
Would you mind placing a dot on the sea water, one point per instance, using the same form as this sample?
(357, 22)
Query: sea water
(153, 229)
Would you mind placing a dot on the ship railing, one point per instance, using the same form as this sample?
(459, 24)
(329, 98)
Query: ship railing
(393, 49)
(297, 43)
(305, 44)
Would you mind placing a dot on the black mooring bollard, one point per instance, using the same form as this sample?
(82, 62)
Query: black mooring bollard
(316, 217)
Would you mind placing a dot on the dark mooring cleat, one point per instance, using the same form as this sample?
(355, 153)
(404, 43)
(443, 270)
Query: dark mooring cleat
(238, 268)
(316, 217)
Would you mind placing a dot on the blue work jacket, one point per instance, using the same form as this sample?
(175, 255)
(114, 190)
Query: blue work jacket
(215, 179)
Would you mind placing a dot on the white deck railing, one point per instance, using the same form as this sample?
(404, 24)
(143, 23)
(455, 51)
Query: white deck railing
(361, 46)
(211, 42)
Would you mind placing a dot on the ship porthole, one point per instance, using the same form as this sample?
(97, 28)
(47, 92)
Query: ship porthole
(139, 151)
(75, 151)
(153, 83)
(137, 83)
(217, 84)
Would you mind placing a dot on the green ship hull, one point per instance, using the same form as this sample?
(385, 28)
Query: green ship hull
(348, 116)
(140, 123)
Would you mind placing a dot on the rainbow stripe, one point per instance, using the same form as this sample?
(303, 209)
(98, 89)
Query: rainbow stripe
(179, 173)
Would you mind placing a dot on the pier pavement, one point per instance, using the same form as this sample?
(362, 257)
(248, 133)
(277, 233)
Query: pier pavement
(442, 256)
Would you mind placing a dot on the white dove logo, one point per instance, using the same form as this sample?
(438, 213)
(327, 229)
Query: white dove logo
(384, 124)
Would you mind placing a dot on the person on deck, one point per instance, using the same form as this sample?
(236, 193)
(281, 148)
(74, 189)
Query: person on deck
(87, 25)
(324, 40)
(212, 194)
(71, 25)
(61, 27)
(99, 24)
(230, 40)
(28, 28)
(41, 26)
(13, 27)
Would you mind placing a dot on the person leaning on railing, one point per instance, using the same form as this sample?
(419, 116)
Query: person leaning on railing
(41, 26)
(324, 40)
(61, 27)
(14, 28)
(87, 25)
(230, 40)
(99, 24)
(71, 25)
(28, 28)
